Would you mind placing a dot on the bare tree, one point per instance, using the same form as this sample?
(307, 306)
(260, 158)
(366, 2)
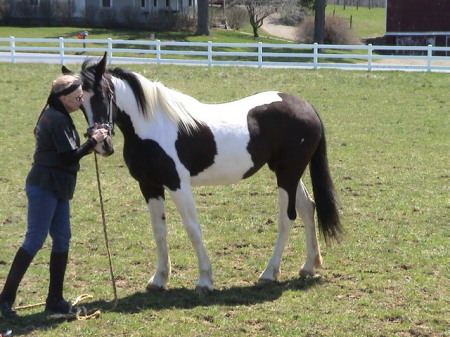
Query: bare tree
(202, 20)
(259, 10)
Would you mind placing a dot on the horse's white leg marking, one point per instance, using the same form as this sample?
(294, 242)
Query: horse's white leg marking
(272, 271)
(184, 202)
(162, 274)
(305, 207)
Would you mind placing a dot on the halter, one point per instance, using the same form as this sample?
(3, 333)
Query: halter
(109, 125)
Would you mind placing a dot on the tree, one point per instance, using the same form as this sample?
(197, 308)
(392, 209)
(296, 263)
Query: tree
(309, 4)
(258, 10)
(319, 20)
(202, 20)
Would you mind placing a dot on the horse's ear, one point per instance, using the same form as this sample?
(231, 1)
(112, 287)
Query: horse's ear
(66, 71)
(101, 67)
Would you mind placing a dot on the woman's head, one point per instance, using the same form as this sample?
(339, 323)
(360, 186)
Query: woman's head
(67, 89)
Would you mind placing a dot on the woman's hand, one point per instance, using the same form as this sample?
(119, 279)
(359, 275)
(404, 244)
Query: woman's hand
(99, 134)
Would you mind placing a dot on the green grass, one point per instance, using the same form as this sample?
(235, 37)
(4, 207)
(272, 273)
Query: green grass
(366, 23)
(388, 146)
(217, 35)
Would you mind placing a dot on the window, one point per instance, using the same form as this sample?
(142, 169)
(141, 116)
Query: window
(167, 3)
(34, 2)
(155, 3)
(142, 3)
(106, 3)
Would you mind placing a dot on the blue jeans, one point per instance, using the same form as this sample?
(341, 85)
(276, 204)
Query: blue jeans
(46, 214)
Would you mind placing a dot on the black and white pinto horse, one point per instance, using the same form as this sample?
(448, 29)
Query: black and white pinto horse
(172, 142)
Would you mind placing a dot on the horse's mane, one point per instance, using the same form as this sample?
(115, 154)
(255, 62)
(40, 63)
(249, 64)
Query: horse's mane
(173, 103)
(150, 96)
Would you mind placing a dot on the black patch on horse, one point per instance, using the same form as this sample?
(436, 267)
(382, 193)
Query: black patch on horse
(146, 160)
(196, 149)
(288, 152)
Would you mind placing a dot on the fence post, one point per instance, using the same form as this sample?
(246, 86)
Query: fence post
(260, 55)
(369, 57)
(158, 51)
(12, 44)
(209, 53)
(61, 49)
(429, 57)
(315, 55)
(110, 50)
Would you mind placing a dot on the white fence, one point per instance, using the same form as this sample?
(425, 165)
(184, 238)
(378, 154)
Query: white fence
(309, 56)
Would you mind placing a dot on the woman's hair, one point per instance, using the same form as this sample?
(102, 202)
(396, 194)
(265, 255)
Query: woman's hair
(62, 86)
(65, 84)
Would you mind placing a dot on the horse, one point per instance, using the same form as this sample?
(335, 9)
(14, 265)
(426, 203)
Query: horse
(173, 142)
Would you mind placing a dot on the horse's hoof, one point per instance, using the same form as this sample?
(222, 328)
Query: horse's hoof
(202, 290)
(306, 273)
(153, 287)
(262, 282)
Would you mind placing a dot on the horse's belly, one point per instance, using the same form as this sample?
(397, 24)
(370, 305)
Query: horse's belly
(230, 165)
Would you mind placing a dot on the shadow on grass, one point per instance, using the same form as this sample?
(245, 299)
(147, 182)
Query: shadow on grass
(181, 298)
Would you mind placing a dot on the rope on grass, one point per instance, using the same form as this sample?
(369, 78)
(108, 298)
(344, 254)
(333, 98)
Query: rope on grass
(105, 232)
(80, 313)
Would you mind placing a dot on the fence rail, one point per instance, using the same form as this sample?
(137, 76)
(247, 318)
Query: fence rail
(310, 56)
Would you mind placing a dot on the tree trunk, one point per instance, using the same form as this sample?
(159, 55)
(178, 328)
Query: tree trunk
(319, 21)
(202, 21)
(255, 31)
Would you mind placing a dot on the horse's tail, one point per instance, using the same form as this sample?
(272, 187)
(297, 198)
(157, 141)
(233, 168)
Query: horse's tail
(324, 193)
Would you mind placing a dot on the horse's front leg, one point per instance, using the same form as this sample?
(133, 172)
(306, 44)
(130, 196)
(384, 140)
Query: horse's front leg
(156, 207)
(185, 204)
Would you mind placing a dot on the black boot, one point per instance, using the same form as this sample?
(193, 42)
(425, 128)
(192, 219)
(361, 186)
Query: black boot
(55, 302)
(19, 266)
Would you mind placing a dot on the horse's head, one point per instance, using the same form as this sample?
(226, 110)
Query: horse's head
(98, 104)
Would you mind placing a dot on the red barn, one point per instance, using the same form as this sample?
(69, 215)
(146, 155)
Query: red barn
(418, 22)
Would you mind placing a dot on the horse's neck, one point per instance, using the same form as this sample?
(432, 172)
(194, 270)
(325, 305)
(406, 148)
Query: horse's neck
(124, 96)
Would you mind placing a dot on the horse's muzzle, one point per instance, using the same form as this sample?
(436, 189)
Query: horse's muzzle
(105, 147)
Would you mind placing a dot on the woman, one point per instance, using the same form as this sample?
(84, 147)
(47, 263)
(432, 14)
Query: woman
(50, 185)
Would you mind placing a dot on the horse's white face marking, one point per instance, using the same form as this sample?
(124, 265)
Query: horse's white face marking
(105, 147)
(88, 108)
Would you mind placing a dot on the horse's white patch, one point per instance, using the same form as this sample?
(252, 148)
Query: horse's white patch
(228, 123)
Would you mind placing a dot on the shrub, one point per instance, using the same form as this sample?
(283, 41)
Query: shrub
(337, 31)
(185, 20)
(130, 15)
(108, 17)
(237, 17)
(291, 15)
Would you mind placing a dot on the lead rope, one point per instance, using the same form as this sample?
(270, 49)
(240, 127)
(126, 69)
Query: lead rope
(113, 279)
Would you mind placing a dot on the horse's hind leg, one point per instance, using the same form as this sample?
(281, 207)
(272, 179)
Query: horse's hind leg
(272, 271)
(306, 206)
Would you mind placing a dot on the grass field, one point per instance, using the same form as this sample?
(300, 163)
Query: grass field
(366, 23)
(388, 145)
